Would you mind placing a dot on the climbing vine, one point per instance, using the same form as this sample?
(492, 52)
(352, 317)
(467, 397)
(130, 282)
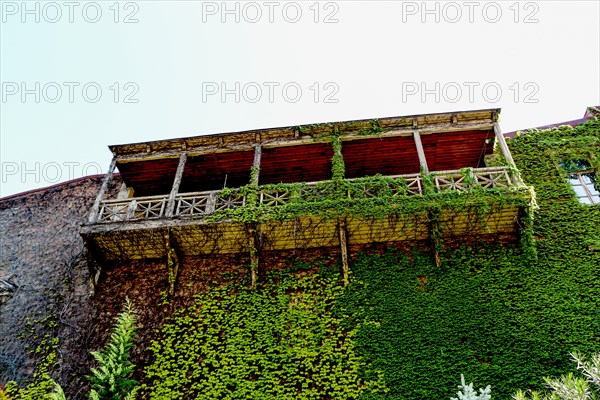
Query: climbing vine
(279, 341)
(500, 316)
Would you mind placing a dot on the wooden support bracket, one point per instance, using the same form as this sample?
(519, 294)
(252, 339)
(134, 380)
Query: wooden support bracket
(173, 261)
(506, 153)
(256, 164)
(435, 236)
(343, 231)
(254, 245)
(94, 266)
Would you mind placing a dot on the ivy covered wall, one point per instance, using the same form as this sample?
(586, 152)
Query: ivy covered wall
(404, 328)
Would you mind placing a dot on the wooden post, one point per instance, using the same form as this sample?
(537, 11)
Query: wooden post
(344, 248)
(506, 154)
(173, 262)
(107, 179)
(252, 229)
(256, 165)
(421, 152)
(176, 182)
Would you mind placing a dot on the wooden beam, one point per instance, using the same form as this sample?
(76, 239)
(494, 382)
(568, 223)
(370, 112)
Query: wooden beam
(176, 182)
(421, 152)
(173, 262)
(256, 165)
(107, 179)
(344, 249)
(93, 264)
(275, 142)
(506, 153)
(289, 133)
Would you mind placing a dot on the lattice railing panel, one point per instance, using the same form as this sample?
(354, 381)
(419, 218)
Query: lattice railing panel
(494, 179)
(114, 211)
(206, 203)
(229, 201)
(275, 198)
(195, 204)
(151, 207)
(313, 191)
(454, 181)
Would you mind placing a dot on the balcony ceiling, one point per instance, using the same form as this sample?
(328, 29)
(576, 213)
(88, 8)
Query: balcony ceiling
(310, 162)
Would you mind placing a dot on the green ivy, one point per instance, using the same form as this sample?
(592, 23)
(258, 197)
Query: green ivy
(500, 316)
(279, 341)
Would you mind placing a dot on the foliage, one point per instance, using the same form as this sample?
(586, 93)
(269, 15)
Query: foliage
(370, 197)
(112, 379)
(337, 161)
(500, 315)
(466, 392)
(41, 386)
(57, 393)
(569, 387)
(279, 341)
(3, 394)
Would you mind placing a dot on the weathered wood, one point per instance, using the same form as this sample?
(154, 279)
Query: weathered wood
(344, 250)
(254, 247)
(435, 236)
(256, 165)
(144, 238)
(506, 153)
(290, 140)
(93, 264)
(173, 261)
(107, 179)
(176, 183)
(289, 133)
(421, 152)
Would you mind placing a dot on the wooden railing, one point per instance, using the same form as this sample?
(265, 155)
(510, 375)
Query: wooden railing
(150, 207)
(198, 204)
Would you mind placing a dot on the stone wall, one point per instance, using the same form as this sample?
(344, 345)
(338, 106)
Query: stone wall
(43, 272)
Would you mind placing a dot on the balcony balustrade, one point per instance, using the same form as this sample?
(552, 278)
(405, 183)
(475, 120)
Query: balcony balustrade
(202, 204)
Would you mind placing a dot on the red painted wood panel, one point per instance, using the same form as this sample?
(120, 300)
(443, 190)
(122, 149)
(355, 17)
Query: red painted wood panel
(208, 172)
(149, 177)
(305, 163)
(386, 156)
(456, 150)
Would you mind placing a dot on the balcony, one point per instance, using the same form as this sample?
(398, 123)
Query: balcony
(402, 179)
(198, 216)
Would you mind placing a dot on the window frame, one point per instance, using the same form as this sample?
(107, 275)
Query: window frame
(592, 198)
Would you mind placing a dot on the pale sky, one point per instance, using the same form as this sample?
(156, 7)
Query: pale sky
(78, 76)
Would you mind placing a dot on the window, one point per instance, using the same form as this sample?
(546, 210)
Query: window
(583, 181)
(585, 187)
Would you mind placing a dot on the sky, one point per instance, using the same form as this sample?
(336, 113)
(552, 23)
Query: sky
(77, 76)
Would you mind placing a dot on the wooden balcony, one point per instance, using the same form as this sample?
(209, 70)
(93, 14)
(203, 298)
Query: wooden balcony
(200, 204)
(213, 221)
(433, 184)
